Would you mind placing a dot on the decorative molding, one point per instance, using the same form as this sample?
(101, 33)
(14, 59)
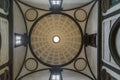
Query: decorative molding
(34, 65)
(111, 14)
(111, 67)
(10, 19)
(84, 66)
(99, 43)
(31, 14)
(112, 41)
(82, 15)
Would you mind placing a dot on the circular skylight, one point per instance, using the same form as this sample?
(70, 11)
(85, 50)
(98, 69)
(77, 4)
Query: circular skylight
(56, 39)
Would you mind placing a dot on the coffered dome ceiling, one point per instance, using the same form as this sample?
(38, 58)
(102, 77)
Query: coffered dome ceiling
(56, 39)
(67, 4)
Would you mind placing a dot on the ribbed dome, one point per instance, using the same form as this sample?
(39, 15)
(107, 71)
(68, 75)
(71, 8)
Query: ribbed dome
(56, 39)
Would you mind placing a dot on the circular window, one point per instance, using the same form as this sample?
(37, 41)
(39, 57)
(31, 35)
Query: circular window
(56, 39)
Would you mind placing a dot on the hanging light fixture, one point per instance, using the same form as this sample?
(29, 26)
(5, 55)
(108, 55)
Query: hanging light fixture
(55, 74)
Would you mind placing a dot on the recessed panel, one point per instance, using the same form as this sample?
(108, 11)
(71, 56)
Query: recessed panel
(4, 41)
(114, 42)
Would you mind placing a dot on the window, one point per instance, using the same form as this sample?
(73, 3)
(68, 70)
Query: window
(55, 74)
(21, 39)
(55, 77)
(18, 40)
(56, 5)
(55, 2)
